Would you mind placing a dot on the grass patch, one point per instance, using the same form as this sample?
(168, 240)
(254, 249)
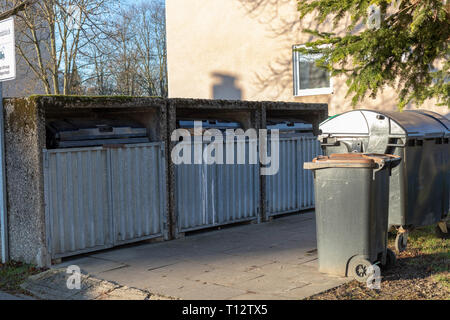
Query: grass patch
(443, 279)
(12, 274)
(426, 249)
(422, 272)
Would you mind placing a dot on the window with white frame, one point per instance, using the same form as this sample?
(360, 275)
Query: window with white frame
(308, 78)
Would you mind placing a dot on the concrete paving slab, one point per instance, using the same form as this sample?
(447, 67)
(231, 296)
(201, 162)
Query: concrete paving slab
(314, 263)
(240, 263)
(255, 296)
(52, 285)
(137, 278)
(224, 277)
(125, 294)
(312, 289)
(275, 260)
(93, 264)
(185, 269)
(286, 271)
(271, 284)
(205, 291)
(295, 259)
(8, 297)
(132, 253)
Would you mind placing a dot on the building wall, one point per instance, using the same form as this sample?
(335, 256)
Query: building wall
(26, 82)
(242, 49)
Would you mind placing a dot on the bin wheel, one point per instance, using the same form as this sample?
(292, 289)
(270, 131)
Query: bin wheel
(401, 241)
(441, 233)
(391, 259)
(358, 269)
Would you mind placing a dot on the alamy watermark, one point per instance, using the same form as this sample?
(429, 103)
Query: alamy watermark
(74, 280)
(373, 17)
(374, 280)
(213, 146)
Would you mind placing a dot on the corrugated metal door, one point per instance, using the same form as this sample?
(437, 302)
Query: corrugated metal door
(78, 201)
(292, 188)
(100, 197)
(216, 194)
(138, 192)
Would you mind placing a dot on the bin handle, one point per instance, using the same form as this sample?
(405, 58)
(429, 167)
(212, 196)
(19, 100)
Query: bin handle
(330, 144)
(380, 163)
(392, 162)
(399, 145)
(393, 158)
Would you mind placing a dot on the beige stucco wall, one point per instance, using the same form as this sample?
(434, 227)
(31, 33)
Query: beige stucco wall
(243, 49)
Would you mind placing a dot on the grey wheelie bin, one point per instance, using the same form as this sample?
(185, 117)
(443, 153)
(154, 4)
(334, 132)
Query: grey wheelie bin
(419, 187)
(352, 200)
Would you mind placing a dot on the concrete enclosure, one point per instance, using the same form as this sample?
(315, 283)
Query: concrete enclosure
(25, 141)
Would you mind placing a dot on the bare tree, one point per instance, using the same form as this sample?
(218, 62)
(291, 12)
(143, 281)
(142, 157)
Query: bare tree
(151, 46)
(99, 77)
(145, 48)
(89, 46)
(159, 18)
(58, 31)
(136, 53)
(124, 59)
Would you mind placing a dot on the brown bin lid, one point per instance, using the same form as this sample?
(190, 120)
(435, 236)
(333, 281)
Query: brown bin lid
(350, 160)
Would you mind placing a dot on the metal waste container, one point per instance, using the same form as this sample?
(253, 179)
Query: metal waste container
(442, 153)
(419, 187)
(221, 125)
(290, 128)
(352, 200)
(71, 133)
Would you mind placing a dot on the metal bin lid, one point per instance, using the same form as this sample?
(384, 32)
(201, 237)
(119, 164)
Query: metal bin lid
(444, 121)
(209, 124)
(88, 129)
(289, 126)
(367, 122)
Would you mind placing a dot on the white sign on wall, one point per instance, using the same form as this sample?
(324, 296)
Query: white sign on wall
(7, 50)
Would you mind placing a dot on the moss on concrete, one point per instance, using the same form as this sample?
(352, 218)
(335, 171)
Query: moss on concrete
(23, 115)
(71, 101)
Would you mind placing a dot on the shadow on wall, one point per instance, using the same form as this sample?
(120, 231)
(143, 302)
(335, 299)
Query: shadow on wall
(281, 21)
(225, 87)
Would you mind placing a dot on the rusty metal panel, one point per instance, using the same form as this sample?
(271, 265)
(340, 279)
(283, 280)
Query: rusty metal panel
(77, 200)
(138, 192)
(216, 194)
(292, 188)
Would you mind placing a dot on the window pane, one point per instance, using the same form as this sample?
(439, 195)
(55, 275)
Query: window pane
(311, 76)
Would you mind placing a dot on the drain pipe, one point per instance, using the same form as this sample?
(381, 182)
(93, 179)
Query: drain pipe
(3, 211)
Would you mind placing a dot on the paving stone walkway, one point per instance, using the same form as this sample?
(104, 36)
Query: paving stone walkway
(52, 285)
(275, 260)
